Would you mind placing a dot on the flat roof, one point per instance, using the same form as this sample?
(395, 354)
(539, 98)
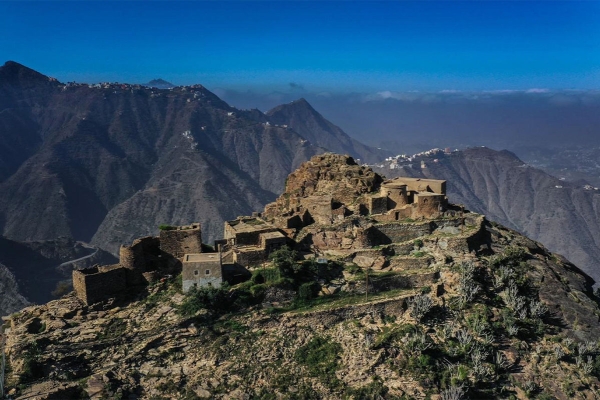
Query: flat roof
(272, 235)
(428, 194)
(250, 225)
(393, 184)
(407, 179)
(201, 257)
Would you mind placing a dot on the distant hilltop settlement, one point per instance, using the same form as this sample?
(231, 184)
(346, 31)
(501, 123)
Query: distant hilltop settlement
(331, 208)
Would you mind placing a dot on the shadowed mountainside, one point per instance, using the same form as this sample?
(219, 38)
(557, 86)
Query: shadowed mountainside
(30, 271)
(109, 163)
(304, 119)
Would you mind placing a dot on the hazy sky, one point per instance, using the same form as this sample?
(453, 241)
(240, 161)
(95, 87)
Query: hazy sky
(348, 46)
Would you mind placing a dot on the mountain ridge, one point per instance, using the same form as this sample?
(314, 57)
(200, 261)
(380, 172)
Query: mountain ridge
(74, 152)
(303, 118)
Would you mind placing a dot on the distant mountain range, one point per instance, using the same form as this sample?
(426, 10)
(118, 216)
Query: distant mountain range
(409, 122)
(159, 84)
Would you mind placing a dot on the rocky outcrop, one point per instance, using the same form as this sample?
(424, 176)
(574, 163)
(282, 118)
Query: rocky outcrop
(332, 179)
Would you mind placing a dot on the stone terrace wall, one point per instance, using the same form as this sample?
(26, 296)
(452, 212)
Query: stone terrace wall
(381, 234)
(405, 263)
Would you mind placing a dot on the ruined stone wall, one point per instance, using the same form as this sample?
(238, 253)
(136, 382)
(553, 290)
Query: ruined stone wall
(396, 195)
(247, 238)
(93, 285)
(339, 213)
(178, 242)
(344, 236)
(249, 257)
(424, 185)
(395, 215)
(429, 206)
(229, 231)
(142, 256)
(378, 205)
(405, 263)
(319, 208)
(270, 244)
(403, 249)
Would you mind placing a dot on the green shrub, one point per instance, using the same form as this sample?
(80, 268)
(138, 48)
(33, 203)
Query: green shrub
(352, 268)
(165, 227)
(62, 288)
(258, 290)
(210, 298)
(268, 276)
(307, 291)
(320, 357)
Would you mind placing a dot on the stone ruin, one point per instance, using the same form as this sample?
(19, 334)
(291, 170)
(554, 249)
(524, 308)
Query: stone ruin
(413, 198)
(330, 187)
(250, 240)
(330, 204)
(139, 264)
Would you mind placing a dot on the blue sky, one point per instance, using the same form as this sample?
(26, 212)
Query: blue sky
(333, 45)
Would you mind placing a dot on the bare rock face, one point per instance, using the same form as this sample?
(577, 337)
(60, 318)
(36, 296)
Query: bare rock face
(329, 175)
(334, 174)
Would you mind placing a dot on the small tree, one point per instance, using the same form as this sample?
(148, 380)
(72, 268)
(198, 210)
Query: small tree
(284, 259)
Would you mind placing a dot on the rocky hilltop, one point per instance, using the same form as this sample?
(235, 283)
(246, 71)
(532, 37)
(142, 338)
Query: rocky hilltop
(447, 306)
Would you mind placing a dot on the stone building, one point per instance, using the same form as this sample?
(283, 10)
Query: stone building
(99, 282)
(202, 270)
(250, 240)
(402, 198)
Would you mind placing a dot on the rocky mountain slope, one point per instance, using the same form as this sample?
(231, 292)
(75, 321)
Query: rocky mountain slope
(563, 216)
(304, 119)
(478, 311)
(110, 162)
